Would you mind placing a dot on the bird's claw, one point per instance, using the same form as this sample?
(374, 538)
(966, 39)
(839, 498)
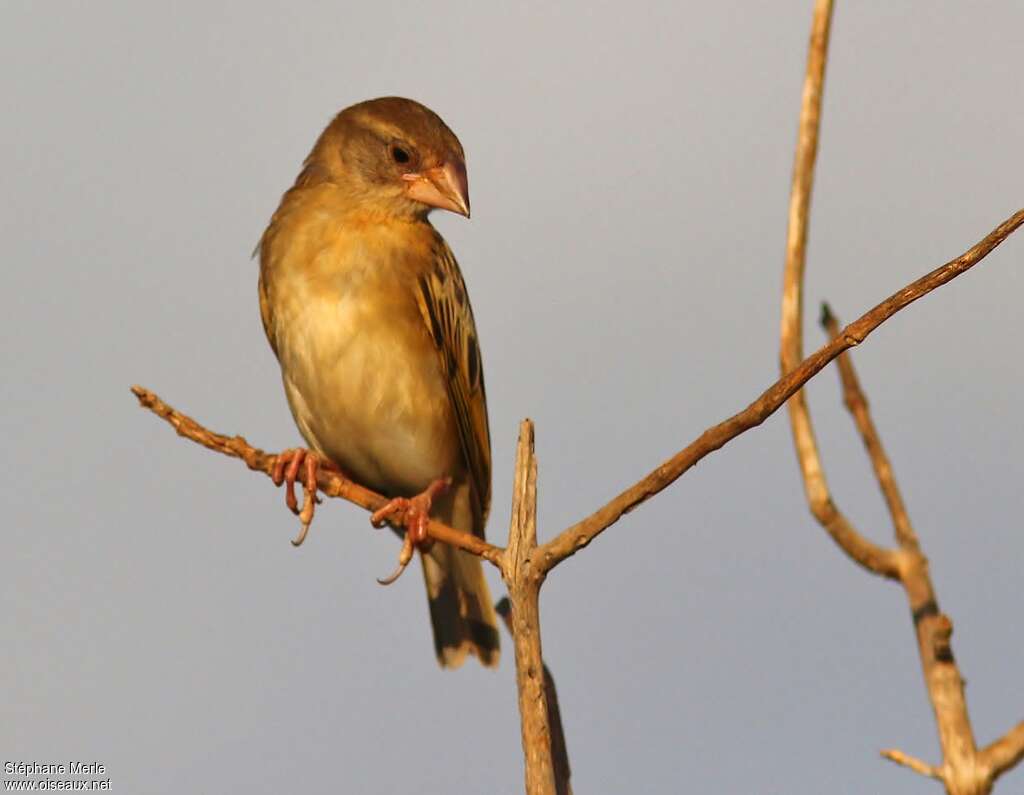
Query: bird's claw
(286, 470)
(415, 511)
(403, 560)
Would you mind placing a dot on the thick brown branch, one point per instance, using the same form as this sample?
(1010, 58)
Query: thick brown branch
(857, 404)
(329, 483)
(523, 582)
(871, 556)
(559, 750)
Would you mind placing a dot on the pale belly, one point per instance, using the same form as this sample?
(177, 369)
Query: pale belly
(365, 386)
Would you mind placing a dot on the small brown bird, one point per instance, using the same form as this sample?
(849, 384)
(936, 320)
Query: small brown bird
(367, 313)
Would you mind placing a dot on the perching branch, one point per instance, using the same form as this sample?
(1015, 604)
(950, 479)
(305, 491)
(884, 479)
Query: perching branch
(517, 567)
(328, 482)
(964, 771)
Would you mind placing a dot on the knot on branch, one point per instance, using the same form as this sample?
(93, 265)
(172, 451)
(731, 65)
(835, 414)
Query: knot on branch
(826, 318)
(941, 638)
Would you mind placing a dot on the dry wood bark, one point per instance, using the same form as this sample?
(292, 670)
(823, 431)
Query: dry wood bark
(964, 770)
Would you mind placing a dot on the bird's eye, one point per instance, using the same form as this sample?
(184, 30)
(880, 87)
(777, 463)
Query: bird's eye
(400, 155)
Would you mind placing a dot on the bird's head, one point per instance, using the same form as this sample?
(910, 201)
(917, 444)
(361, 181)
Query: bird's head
(394, 154)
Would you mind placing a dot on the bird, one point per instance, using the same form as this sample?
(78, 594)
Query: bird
(366, 310)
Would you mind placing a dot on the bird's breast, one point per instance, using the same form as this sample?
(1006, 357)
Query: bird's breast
(362, 376)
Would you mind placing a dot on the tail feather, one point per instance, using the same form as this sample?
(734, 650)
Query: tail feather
(461, 611)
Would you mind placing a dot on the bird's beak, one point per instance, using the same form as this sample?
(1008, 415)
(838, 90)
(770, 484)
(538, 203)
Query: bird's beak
(444, 187)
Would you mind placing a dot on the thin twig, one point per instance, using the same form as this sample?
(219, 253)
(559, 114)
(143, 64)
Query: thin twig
(872, 557)
(328, 482)
(864, 552)
(857, 404)
(913, 763)
(933, 629)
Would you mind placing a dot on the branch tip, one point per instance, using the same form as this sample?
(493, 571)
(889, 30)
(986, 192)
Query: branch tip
(915, 764)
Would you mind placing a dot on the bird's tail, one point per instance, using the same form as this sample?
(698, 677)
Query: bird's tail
(461, 611)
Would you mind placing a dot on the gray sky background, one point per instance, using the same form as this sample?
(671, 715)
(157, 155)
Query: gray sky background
(629, 169)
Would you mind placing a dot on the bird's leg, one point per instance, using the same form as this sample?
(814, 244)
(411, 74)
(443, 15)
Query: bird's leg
(416, 513)
(286, 470)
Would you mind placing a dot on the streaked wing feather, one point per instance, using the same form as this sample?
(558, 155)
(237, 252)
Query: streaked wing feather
(449, 317)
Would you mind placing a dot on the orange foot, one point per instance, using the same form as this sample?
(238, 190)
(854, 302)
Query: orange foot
(416, 514)
(286, 470)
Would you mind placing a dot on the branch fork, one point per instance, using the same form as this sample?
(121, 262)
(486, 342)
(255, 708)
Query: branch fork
(965, 770)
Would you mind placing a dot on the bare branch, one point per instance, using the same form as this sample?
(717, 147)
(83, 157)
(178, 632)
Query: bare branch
(329, 483)
(867, 554)
(872, 557)
(559, 750)
(524, 581)
(963, 770)
(1004, 753)
(857, 404)
(913, 763)
(933, 629)
(803, 174)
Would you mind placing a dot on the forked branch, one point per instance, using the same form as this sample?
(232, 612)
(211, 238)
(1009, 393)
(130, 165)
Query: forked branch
(964, 770)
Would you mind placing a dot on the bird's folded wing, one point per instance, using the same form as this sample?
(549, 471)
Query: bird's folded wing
(445, 307)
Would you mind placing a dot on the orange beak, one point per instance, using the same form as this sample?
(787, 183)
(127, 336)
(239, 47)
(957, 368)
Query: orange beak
(444, 187)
